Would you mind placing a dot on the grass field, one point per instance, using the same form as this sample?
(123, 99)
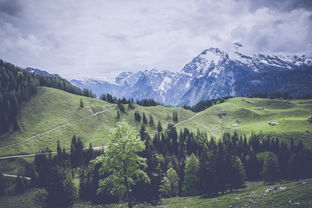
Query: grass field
(42, 118)
(252, 115)
(52, 108)
(254, 195)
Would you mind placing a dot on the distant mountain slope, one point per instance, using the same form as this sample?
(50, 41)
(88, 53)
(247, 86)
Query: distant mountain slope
(212, 74)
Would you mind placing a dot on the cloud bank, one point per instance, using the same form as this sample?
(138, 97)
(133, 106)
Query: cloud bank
(80, 38)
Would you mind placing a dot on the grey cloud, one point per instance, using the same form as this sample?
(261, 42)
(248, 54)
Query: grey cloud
(283, 5)
(91, 38)
(10, 7)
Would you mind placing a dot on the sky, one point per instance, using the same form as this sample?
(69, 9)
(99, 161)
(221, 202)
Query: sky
(101, 38)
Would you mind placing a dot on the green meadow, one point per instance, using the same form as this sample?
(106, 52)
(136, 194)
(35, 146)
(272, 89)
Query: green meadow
(53, 115)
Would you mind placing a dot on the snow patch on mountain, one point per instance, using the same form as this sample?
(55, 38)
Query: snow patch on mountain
(213, 73)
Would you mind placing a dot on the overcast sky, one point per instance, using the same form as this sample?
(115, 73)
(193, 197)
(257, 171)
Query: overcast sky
(95, 38)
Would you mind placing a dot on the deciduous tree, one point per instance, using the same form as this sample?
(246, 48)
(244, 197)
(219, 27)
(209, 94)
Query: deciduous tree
(122, 162)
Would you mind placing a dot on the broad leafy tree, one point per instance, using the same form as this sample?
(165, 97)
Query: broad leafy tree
(122, 162)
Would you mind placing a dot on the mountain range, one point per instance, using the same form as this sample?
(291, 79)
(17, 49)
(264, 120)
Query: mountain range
(213, 73)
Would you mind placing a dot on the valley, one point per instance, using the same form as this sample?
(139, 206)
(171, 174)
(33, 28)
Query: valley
(55, 115)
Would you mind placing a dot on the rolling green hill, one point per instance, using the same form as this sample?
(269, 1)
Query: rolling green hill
(248, 115)
(53, 115)
(56, 115)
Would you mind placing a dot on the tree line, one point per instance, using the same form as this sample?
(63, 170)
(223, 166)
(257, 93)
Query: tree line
(203, 105)
(150, 120)
(112, 99)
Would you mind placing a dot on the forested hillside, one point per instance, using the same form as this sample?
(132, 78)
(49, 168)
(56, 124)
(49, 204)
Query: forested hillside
(17, 86)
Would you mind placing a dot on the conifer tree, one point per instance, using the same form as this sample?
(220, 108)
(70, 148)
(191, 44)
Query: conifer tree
(238, 174)
(118, 115)
(159, 127)
(151, 121)
(253, 167)
(175, 116)
(121, 107)
(271, 171)
(61, 190)
(58, 149)
(170, 183)
(137, 116)
(2, 184)
(148, 192)
(130, 106)
(81, 103)
(20, 185)
(144, 119)
(296, 166)
(191, 184)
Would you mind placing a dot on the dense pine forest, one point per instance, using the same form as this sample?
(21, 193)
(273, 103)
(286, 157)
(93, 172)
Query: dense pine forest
(172, 164)
(17, 86)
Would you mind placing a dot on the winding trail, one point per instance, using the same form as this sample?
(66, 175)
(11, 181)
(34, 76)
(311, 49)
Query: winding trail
(15, 176)
(66, 124)
(42, 153)
(57, 127)
(186, 120)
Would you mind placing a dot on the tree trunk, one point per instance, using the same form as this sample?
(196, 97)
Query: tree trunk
(129, 204)
(129, 198)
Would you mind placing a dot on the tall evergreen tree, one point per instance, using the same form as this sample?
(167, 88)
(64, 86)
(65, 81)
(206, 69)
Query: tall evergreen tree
(137, 116)
(253, 167)
(130, 106)
(61, 191)
(20, 185)
(151, 121)
(159, 127)
(144, 119)
(191, 184)
(118, 115)
(175, 116)
(121, 107)
(238, 174)
(2, 184)
(296, 166)
(169, 184)
(148, 192)
(271, 171)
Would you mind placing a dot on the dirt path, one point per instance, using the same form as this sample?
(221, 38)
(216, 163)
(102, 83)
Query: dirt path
(197, 114)
(95, 148)
(15, 176)
(57, 127)
(44, 153)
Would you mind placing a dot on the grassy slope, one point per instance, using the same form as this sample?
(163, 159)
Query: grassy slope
(52, 107)
(291, 115)
(255, 192)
